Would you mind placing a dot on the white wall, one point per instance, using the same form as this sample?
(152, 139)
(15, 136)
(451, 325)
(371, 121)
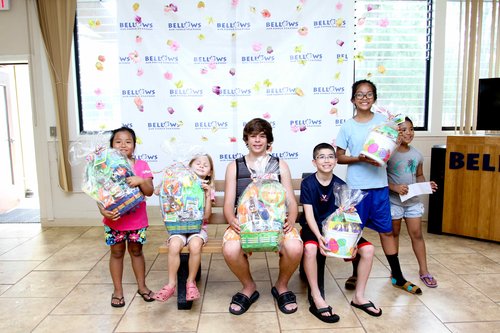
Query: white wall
(20, 39)
(14, 30)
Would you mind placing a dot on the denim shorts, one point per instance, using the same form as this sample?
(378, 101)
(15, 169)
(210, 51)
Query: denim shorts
(413, 211)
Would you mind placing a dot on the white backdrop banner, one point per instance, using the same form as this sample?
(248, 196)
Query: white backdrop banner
(193, 73)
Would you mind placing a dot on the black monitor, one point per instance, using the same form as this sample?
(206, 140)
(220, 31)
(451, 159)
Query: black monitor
(488, 105)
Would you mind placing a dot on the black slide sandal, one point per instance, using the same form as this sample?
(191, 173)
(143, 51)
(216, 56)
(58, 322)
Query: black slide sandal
(243, 301)
(284, 299)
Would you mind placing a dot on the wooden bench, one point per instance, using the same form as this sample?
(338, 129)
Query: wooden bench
(212, 246)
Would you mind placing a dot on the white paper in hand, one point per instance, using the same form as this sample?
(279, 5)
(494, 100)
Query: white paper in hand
(416, 189)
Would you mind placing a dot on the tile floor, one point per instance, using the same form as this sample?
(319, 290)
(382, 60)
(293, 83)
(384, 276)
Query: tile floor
(57, 280)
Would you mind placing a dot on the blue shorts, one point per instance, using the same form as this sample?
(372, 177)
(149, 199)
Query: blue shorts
(413, 211)
(375, 210)
(117, 236)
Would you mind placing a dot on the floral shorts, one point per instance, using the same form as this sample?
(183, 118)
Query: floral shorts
(117, 236)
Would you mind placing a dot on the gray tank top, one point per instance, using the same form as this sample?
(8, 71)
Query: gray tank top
(244, 176)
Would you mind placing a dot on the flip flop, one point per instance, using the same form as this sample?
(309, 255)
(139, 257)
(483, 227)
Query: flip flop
(121, 301)
(408, 286)
(288, 297)
(243, 301)
(350, 283)
(318, 313)
(427, 279)
(146, 296)
(365, 308)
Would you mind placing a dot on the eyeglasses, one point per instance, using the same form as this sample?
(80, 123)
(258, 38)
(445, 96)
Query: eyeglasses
(325, 157)
(360, 95)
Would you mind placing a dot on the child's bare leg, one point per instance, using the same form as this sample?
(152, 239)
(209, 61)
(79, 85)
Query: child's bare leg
(417, 242)
(366, 253)
(116, 268)
(311, 269)
(175, 245)
(396, 230)
(195, 245)
(138, 265)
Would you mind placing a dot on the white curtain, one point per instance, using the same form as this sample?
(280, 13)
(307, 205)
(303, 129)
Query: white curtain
(475, 33)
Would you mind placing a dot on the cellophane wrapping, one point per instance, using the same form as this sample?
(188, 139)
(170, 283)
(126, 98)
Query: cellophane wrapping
(182, 200)
(104, 180)
(382, 140)
(343, 228)
(261, 209)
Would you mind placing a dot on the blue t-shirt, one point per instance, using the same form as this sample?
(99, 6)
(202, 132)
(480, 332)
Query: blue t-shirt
(320, 197)
(351, 137)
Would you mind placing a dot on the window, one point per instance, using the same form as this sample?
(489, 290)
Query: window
(392, 50)
(452, 91)
(98, 97)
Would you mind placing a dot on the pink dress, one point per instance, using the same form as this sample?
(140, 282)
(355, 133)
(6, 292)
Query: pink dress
(137, 218)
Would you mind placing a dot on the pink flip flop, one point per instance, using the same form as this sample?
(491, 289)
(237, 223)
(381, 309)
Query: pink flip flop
(429, 280)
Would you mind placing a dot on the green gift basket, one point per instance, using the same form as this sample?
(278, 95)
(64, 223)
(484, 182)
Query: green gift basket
(261, 213)
(261, 241)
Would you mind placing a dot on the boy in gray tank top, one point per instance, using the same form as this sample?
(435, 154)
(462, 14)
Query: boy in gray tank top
(258, 138)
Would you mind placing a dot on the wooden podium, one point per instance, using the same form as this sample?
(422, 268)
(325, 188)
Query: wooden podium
(472, 187)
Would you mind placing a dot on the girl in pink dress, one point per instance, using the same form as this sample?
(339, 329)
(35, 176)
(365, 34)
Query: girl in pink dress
(128, 232)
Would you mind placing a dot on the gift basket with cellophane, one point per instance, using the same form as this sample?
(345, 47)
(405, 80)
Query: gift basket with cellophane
(342, 229)
(104, 180)
(382, 140)
(261, 209)
(182, 200)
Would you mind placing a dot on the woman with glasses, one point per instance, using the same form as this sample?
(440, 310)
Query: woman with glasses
(368, 175)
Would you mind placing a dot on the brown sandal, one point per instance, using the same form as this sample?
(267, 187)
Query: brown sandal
(147, 297)
(121, 301)
(350, 283)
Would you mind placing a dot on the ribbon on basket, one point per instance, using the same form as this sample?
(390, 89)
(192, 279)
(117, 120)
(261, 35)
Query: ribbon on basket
(343, 209)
